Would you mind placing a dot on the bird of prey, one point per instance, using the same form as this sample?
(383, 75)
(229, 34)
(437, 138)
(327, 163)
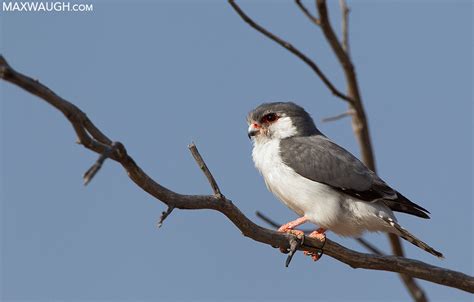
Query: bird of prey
(321, 181)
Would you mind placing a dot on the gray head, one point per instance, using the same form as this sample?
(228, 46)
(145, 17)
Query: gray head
(280, 120)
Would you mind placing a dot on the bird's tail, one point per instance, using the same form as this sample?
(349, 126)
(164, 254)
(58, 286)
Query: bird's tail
(412, 239)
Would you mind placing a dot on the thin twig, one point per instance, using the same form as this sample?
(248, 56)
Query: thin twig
(345, 26)
(307, 13)
(164, 215)
(349, 112)
(292, 49)
(369, 246)
(76, 117)
(417, 293)
(202, 165)
(268, 220)
(359, 120)
(90, 173)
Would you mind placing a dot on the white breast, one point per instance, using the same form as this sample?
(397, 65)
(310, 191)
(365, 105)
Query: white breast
(321, 204)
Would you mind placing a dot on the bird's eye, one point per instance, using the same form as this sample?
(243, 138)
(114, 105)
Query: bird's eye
(268, 118)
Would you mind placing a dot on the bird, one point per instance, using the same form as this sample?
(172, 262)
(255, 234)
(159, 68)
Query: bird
(320, 181)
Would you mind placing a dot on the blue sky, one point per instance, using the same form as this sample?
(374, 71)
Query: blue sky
(158, 75)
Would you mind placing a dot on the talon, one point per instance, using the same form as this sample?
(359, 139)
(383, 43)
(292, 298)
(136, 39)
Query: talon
(289, 228)
(299, 234)
(314, 256)
(318, 234)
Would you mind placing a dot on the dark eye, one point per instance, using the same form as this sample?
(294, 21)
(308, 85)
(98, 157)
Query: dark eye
(270, 117)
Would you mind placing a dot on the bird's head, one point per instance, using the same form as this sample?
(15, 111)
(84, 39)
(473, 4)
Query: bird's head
(278, 121)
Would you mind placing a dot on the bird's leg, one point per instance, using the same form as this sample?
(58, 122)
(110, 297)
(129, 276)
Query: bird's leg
(318, 234)
(289, 227)
(292, 224)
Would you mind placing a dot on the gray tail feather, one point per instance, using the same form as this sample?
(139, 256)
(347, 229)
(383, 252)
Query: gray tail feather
(412, 239)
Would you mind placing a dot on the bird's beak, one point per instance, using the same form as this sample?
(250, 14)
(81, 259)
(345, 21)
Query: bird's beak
(253, 130)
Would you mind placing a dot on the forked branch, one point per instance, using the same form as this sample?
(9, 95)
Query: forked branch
(292, 49)
(202, 165)
(360, 123)
(93, 139)
(359, 119)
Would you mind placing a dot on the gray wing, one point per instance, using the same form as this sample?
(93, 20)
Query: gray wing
(318, 159)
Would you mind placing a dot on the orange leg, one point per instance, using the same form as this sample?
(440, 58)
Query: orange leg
(292, 224)
(318, 234)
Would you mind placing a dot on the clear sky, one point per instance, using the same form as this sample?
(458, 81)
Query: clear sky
(159, 75)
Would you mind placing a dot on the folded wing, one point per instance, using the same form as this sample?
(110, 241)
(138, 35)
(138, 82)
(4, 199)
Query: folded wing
(320, 160)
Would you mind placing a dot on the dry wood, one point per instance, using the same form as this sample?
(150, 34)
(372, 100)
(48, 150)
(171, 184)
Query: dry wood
(93, 139)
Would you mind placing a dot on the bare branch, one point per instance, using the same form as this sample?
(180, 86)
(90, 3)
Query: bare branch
(90, 173)
(345, 26)
(77, 118)
(362, 242)
(349, 112)
(369, 246)
(202, 165)
(307, 13)
(359, 121)
(270, 221)
(164, 215)
(414, 289)
(292, 49)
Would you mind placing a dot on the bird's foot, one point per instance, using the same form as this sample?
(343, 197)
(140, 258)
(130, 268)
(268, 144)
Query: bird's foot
(318, 234)
(299, 234)
(289, 228)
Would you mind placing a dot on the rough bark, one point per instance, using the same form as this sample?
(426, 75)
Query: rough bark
(95, 140)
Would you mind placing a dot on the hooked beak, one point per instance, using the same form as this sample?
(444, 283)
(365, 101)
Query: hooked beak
(253, 130)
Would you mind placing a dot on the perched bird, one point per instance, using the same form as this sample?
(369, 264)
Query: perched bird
(321, 181)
